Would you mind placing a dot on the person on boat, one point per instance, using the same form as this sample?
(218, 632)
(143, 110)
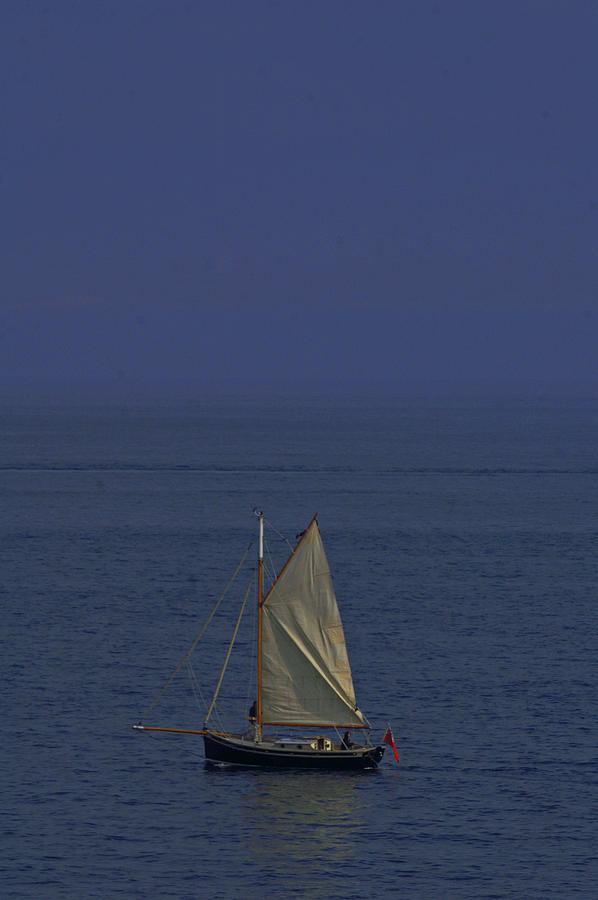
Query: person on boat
(346, 742)
(252, 720)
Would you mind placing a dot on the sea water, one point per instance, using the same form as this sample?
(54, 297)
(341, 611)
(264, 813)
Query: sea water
(462, 536)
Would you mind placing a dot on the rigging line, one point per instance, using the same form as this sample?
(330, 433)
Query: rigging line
(199, 636)
(195, 687)
(271, 571)
(270, 525)
(230, 648)
(198, 693)
(285, 539)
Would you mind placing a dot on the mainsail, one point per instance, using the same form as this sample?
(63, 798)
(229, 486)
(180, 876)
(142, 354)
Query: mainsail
(306, 676)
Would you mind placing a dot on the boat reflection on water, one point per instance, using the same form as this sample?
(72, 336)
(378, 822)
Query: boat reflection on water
(314, 817)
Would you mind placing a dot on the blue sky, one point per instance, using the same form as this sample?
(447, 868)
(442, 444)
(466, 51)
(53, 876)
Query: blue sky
(221, 196)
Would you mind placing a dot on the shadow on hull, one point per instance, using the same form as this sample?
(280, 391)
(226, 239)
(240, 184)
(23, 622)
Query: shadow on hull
(239, 751)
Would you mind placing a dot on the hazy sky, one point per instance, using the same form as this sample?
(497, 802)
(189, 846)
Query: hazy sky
(394, 195)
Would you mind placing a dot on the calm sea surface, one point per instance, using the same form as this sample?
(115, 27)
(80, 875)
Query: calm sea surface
(463, 540)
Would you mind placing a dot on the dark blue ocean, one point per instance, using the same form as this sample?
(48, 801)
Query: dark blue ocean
(463, 540)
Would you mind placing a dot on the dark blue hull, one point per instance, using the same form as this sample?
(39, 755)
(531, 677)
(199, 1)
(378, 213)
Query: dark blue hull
(287, 755)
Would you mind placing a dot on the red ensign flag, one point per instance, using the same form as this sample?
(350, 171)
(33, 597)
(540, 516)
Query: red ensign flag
(388, 739)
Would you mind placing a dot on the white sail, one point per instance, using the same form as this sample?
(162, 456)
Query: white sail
(306, 677)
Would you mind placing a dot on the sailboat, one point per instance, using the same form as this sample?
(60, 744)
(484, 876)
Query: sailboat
(304, 678)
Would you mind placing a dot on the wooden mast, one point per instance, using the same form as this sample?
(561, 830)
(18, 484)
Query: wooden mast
(260, 600)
